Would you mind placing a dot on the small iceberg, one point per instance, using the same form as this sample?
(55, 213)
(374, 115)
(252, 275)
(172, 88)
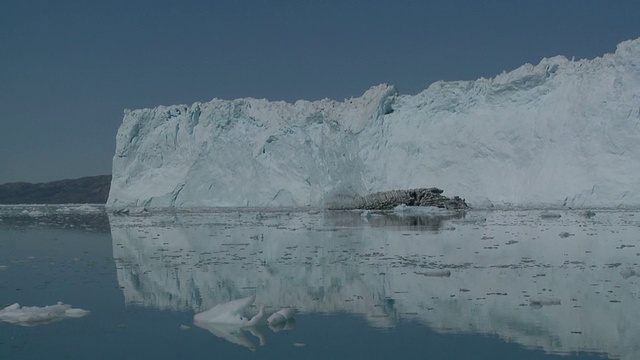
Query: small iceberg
(281, 316)
(227, 321)
(540, 301)
(282, 319)
(33, 213)
(550, 215)
(629, 272)
(588, 214)
(34, 315)
(435, 273)
(231, 313)
(366, 214)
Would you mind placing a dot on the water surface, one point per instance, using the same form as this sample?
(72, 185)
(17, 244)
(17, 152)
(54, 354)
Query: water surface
(480, 285)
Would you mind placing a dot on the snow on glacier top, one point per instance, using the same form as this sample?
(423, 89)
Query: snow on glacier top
(560, 133)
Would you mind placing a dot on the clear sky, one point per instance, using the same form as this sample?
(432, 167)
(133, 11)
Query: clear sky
(68, 69)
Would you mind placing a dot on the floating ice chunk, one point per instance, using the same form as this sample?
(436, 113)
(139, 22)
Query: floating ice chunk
(629, 272)
(588, 214)
(227, 321)
(82, 209)
(435, 273)
(76, 312)
(32, 213)
(401, 208)
(550, 215)
(367, 215)
(231, 313)
(539, 301)
(33, 315)
(281, 316)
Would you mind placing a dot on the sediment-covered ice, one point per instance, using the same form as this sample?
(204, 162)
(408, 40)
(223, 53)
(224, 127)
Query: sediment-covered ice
(559, 133)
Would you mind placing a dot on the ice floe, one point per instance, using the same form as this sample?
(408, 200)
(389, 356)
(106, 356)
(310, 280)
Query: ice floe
(227, 321)
(34, 315)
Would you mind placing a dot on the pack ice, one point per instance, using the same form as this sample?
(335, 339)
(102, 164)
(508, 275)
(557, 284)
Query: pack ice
(560, 133)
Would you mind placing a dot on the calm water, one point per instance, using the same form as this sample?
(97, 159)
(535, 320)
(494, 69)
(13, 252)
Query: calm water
(486, 285)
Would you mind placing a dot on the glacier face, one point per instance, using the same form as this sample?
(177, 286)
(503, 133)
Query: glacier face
(560, 133)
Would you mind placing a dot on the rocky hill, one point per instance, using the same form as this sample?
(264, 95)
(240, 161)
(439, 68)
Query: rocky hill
(86, 190)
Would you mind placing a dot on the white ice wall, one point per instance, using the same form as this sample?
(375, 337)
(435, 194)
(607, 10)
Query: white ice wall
(558, 133)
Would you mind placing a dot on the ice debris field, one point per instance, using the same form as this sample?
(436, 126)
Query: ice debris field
(559, 133)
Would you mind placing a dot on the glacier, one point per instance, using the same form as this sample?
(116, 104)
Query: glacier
(562, 133)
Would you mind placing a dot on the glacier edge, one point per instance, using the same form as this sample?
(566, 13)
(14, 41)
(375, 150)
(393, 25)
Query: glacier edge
(560, 133)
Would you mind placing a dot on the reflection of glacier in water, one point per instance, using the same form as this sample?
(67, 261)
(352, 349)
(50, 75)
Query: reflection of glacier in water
(563, 284)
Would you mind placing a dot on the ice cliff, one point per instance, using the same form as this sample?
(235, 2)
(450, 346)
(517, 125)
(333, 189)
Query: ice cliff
(560, 133)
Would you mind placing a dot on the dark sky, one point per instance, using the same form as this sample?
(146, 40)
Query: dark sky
(69, 68)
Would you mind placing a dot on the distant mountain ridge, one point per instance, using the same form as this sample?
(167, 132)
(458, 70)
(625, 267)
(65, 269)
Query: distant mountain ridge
(85, 190)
